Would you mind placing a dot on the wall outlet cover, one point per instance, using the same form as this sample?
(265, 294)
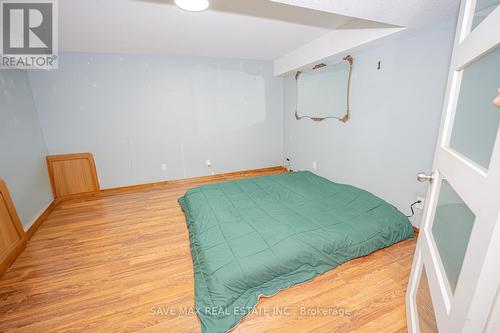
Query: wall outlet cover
(421, 204)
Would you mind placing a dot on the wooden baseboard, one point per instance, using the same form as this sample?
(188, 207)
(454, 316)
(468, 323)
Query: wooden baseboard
(16, 251)
(222, 176)
(34, 227)
(219, 176)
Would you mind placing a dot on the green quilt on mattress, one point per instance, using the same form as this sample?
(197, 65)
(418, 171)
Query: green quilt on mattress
(256, 236)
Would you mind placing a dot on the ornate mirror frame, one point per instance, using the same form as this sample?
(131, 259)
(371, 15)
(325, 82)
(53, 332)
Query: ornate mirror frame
(343, 119)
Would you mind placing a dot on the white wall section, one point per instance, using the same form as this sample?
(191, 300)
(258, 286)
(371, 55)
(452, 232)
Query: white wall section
(135, 113)
(330, 45)
(395, 115)
(411, 15)
(148, 118)
(233, 29)
(22, 148)
(407, 13)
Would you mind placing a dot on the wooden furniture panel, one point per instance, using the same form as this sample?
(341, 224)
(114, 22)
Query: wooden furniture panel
(72, 174)
(12, 236)
(8, 233)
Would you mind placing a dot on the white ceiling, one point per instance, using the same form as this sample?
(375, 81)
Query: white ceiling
(244, 29)
(406, 13)
(293, 33)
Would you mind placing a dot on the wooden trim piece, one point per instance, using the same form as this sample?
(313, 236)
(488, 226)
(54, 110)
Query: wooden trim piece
(34, 227)
(68, 157)
(416, 231)
(18, 246)
(220, 176)
(107, 192)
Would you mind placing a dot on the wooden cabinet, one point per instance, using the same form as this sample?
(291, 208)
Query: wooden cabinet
(72, 174)
(12, 235)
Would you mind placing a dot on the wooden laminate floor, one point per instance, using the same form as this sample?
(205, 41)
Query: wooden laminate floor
(121, 263)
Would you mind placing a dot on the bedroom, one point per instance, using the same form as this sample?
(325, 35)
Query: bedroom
(249, 166)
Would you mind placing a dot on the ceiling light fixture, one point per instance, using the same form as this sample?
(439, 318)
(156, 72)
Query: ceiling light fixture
(192, 5)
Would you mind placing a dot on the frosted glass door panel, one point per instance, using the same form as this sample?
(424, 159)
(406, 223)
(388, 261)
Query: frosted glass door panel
(482, 10)
(451, 230)
(476, 119)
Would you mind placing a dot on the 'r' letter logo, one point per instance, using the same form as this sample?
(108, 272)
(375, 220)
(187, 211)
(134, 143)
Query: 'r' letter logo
(27, 28)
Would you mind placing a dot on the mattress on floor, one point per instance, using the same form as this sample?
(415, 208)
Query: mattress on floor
(257, 236)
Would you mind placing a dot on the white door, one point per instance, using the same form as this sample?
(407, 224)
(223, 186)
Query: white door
(454, 283)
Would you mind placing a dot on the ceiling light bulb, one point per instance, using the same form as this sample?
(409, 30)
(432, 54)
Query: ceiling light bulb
(192, 5)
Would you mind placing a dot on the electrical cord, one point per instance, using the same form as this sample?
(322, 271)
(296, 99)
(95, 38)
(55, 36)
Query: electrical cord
(411, 207)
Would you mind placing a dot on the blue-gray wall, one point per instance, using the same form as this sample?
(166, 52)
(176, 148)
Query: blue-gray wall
(22, 148)
(396, 113)
(135, 113)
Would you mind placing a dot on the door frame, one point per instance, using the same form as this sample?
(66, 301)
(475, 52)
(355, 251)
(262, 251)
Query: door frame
(463, 310)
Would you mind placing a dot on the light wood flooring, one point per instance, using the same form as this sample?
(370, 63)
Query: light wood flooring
(121, 263)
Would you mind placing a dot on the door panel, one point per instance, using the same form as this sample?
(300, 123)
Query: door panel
(451, 229)
(472, 46)
(72, 174)
(476, 118)
(482, 10)
(457, 249)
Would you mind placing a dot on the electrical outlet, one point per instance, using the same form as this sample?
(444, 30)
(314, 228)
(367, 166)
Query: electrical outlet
(315, 165)
(208, 163)
(421, 204)
(163, 167)
(288, 163)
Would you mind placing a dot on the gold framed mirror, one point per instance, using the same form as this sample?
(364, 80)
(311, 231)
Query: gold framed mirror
(323, 92)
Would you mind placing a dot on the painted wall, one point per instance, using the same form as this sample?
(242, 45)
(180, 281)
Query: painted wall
(22, 148)
(135, 113)
(138, 112)
(395, 119)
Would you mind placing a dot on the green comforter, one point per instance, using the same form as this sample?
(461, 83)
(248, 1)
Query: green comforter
(257, 236)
